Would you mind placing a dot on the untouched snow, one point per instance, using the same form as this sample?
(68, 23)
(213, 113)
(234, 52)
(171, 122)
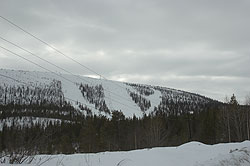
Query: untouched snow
(189, 154)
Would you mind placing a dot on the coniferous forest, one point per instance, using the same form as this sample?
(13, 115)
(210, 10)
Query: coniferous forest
(62, 129)
(40, 120)
(125, 83)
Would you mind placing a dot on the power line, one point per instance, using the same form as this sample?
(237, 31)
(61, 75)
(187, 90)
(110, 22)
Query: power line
(60, 52)
(55, 73)
(35, 87)
(12, 23)
(42, 58)
(54, 64)
(35, 63)
(13, 79)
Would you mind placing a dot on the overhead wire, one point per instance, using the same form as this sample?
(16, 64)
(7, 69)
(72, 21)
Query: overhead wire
(33, 54)
(35, 63)
(55, 72)
(52, 47)
(60, 52)
(27, 84)
(53, 64)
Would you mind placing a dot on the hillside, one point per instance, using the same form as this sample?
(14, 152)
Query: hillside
(48, 113)
(95, 96)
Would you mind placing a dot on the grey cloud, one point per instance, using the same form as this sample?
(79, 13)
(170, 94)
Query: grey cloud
(144, 40)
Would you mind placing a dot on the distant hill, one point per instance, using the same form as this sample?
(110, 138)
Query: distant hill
(57, 113)
(96, 96)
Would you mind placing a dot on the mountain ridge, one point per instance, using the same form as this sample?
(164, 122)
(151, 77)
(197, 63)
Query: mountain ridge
(99, 95)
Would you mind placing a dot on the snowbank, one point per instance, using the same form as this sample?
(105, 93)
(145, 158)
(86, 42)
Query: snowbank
(189, 154)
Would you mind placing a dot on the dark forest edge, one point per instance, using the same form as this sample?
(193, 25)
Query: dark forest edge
(78, 133)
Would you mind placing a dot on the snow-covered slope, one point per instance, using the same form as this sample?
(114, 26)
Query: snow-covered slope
(189, 154)
(95, 94)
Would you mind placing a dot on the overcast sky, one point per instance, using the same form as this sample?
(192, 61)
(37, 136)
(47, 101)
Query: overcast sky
(197, 46)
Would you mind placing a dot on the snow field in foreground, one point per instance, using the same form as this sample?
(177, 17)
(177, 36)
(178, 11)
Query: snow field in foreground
(189, 154)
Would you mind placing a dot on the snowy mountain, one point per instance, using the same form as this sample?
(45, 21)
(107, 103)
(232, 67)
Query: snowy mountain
(95, 96)
(53, 113)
